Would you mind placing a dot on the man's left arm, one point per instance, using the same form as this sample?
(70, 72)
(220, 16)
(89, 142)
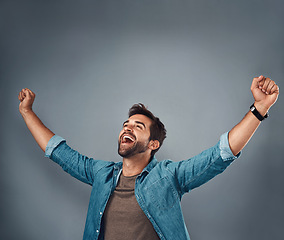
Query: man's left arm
(265, 93)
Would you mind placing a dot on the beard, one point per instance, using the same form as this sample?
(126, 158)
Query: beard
(135, 148)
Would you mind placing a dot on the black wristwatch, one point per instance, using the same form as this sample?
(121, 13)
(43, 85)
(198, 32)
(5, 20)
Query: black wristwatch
(257, 114)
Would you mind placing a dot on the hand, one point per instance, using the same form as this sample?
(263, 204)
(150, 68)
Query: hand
(27, 97)
(265, 92)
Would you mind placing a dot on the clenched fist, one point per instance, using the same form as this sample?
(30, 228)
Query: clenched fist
(265, 92)
(27, 97)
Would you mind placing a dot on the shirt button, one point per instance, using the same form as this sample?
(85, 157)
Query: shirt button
(101, 213)
(97, 231)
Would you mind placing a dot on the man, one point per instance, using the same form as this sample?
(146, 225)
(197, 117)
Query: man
(139, 198)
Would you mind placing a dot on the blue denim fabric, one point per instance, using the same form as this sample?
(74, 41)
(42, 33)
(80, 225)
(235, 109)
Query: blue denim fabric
(158, 188)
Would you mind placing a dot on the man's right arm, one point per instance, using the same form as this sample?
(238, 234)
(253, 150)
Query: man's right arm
(39, 131)
(55, 147)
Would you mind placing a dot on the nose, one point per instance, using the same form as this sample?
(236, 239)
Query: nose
(128, 128)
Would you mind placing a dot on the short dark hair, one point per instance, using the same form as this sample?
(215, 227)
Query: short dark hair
(157, 128)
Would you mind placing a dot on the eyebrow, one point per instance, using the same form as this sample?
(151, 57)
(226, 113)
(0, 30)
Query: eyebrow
(138, 122)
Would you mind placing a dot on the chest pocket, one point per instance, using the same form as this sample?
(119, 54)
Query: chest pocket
(162, 194)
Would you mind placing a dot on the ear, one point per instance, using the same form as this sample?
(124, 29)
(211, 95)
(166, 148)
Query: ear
(154, 144)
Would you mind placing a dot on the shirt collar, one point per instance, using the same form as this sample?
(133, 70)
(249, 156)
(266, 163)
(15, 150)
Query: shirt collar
(153, 162)
(118, 165)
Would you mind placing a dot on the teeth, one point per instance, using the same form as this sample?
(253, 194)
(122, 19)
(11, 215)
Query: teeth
(128, 137)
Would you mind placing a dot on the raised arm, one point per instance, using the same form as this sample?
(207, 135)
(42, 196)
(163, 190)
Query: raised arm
(265, 93)
(39, 131)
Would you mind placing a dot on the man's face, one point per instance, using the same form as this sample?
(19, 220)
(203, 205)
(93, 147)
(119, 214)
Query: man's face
(134, 136)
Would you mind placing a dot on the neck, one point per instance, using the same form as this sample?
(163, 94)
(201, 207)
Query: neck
(135, 164)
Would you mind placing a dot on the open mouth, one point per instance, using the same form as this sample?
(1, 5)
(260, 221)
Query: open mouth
(126, 138)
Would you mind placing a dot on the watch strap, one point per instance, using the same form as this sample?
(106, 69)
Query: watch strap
(257, 114)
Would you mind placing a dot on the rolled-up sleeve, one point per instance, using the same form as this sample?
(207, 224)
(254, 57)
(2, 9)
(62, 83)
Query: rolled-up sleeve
(52, 144)
(225, 150)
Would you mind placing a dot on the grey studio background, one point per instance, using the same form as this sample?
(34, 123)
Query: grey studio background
(191, 62)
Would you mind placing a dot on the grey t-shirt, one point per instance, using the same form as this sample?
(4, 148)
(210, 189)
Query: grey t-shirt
(123, 218)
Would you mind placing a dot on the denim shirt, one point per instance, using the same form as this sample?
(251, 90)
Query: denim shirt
(158, 188)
